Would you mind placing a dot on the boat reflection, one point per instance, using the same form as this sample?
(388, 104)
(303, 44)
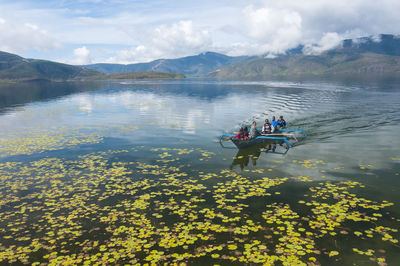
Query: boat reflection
(252, 154)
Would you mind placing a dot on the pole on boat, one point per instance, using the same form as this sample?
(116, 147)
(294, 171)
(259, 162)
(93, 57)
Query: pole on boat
(280, 138)
(293, 130)
(225, 135)
(277, 134)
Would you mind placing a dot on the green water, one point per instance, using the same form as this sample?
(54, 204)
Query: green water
(125, 173)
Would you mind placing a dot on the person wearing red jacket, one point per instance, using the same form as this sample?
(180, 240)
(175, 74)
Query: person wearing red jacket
(241, 134)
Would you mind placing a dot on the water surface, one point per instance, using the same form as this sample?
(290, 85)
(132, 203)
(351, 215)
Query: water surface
(132, 172)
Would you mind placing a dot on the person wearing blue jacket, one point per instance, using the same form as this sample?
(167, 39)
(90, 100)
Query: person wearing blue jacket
(274, 124)
(281, 122)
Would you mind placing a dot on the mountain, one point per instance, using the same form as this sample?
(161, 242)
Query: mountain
(14, 67)
(383, 44)
(326, 66)
(369, 57)
(364, 58)
(190, 66)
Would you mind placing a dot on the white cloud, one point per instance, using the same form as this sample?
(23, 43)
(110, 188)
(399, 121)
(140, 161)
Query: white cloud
(376, 38)
(274, 26)
(16, 37)
(178, 39)
(82, 56)
(179, 28)
(328, 41)
(274, 29)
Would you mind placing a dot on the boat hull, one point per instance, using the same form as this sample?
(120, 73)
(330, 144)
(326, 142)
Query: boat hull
(278, 137)
(245, 143)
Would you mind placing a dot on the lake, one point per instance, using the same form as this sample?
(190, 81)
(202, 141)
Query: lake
(132, 172)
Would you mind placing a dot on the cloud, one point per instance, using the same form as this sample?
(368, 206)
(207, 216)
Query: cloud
(328, 41)
(376, 38)
(166, 41)
(272, 27)
(82, 56)
(138, 31)
(16, 37)
(275, 30)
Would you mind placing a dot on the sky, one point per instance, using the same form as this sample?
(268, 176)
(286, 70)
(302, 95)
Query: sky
(115, 31)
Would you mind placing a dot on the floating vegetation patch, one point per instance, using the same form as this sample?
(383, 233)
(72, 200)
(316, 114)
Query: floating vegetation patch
(310, 163)
(98, 209)
(39, 141)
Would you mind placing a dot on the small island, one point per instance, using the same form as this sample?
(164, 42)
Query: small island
(142, 75)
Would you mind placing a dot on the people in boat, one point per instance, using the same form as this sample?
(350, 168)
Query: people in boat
(246, 131)
(241, 134)
(253, 130)
(281, 122)
(274, 124)
(267, 127)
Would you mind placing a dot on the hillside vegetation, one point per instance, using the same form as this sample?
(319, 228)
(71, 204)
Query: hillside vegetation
(194, 66)
(14, 67)
(143, 75)
(330, 65)
(363, 58)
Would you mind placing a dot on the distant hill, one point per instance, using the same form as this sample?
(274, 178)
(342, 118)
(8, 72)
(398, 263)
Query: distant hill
(197, 65)
(382, 44)
(364, 58)
(143, 75)
(326, 66)
(14, 67)
(386, 44)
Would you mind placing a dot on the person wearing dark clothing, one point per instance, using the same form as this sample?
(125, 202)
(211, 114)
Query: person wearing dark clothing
(281, 122)
(246, 132)
(267, 127)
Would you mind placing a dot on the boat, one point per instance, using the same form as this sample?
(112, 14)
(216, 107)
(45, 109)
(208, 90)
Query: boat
(281, 136)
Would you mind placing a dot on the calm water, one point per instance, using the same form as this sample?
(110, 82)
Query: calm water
(132, 172)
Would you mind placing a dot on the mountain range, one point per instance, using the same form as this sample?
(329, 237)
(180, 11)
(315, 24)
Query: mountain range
(329, 65)
(364, 58)
(16, 68)
(369, 57)
(193, 66)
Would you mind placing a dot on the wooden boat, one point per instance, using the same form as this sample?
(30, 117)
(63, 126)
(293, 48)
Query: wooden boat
(279, 136)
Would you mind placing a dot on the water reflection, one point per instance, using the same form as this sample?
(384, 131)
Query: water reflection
(27, 92)
(252, 154)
